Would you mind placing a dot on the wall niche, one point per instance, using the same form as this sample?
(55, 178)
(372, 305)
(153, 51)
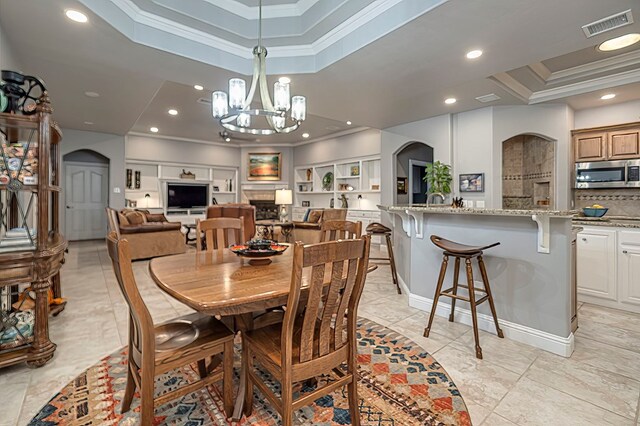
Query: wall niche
(528, 173)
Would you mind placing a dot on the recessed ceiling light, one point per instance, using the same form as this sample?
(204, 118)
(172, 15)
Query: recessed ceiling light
(450, 101)
(92, 94)
(348, 123)
(619, 42)
(474, 54)
(198, 87)
(173, 112)
(608, 96)
(154, 130)
(227, 139)
(88, 123)
(76, 16)
(284, 80)
(305, 135)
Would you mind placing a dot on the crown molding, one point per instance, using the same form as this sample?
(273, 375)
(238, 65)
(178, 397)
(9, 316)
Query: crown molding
(511, 85)
(179, 139)
(587, 86)
(273, 11)
(597, 67)
(540, 72)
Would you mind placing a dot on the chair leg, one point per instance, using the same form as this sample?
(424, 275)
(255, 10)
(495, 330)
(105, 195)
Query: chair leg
(354, 410)
(146, 400)
(227, 378)
(443, 271)
(287, 401)
(202, 368)
(129, 391)
(247, 365)
(485, 280)
(456, 277)
(472, 302)
(392, 262)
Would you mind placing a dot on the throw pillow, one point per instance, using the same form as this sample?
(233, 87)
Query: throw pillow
(136, 218)
(314, 216)
(122, 219)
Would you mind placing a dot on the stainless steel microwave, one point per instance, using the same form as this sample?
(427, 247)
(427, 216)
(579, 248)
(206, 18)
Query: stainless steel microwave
(608, 174)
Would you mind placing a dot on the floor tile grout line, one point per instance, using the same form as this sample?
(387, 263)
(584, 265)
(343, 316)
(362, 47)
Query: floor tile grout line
(607, 343)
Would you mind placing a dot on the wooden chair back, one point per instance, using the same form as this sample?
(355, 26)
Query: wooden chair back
(216, 232)
(112, 217)
(340, 230)
(141, 328)
(331, 296)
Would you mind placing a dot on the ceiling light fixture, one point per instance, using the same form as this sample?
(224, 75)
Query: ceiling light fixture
(234, 111)
(608, 96)
(154, 130)
(619, 42)
(284, 80)
(76, 16)
(450, 101)
(305, 135)
(474, 54)
(89, 123)
(198, 87)
(348, 123)
(173, 112)
(92, 94)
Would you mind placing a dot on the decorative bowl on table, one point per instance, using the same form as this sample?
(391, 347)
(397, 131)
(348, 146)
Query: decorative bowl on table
(259, 250)
(594, 211)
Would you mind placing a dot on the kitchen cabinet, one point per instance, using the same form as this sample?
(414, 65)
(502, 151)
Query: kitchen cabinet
(624, 144)
(596, 263)
(629, 267)
(590, 147)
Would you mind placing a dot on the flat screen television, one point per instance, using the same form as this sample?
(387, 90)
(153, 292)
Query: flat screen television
(181, 196)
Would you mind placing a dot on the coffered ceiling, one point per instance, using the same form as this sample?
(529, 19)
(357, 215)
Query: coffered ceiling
(380, 63)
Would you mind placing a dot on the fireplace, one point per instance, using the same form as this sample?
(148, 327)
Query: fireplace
(265, 209)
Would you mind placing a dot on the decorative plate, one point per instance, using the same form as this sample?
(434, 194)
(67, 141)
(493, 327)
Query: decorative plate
(327, 181)
(244, 250)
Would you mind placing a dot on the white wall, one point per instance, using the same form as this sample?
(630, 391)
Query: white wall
(608, 115)
(8, 58)
(177, 151)
(355, 145)
(109, 145)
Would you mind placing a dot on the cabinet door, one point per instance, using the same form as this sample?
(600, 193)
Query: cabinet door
(629, 267)
(590, 146)
(597, 264)
(624, 144)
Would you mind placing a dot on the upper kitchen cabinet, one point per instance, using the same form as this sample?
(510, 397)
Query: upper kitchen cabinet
(590, 146)
(619, 142)
(624, 144)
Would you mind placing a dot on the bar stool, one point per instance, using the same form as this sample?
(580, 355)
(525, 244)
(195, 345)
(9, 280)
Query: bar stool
(376, 228)
(461, 251)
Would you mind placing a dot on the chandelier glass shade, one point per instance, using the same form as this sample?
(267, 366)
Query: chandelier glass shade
(234, 111)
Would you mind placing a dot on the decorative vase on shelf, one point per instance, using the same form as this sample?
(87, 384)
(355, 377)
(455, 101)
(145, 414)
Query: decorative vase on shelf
(308, 175)
(137, 179)
(129, 178)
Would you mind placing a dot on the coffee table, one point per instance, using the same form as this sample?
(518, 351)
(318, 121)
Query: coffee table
(266, 228)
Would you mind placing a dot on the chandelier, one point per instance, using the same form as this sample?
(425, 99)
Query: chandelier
(234, 110)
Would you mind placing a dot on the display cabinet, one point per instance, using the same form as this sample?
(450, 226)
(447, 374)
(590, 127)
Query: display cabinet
(31, 246)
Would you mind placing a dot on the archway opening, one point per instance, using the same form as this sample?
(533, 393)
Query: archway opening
(411, 160)
(528, 172)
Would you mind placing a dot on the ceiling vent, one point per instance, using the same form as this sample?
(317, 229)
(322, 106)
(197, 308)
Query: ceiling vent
(488, 98)
(607, 24)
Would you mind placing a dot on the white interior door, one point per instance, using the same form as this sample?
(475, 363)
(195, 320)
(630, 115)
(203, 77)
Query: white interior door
(86, 195)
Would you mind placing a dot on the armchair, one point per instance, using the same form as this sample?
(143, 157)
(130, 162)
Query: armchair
(310, 231)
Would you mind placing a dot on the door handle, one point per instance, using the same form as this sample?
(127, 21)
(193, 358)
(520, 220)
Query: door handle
(583, 239)
(624, 252)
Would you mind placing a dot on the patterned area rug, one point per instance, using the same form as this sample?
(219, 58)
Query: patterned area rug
(400, 384)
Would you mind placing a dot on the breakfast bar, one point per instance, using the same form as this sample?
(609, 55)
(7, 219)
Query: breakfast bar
(531, 271)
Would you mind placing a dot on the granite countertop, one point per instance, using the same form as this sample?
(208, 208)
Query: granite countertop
(632, 222)
(486, 212)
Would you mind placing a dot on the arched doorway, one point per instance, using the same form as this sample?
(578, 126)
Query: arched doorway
(86, 194)
(528, 172)
(411, 160)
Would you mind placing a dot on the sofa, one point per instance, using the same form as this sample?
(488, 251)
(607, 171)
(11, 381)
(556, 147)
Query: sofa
(308, 231)
(149, 235)
(245, 211)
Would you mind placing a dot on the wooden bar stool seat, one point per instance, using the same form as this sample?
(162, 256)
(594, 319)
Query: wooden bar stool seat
(463, 251)
(376, 228)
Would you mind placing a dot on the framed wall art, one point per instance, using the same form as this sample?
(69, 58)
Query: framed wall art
(401, 185)
(264, 166)
(472, 182)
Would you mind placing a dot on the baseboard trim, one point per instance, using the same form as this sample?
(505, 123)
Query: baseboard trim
(558, 345)
(613, 304)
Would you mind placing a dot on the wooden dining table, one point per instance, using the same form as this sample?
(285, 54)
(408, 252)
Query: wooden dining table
(224, 285)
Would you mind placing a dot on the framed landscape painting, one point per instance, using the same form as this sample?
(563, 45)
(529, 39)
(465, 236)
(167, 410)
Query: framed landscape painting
(473, 182)
(265, 166)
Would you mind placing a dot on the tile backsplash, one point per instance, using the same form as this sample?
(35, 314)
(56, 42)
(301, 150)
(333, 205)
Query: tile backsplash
(620, 202)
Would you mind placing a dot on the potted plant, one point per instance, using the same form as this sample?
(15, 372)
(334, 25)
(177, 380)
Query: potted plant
(438, 177)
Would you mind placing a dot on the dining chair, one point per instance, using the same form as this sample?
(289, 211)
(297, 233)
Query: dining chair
(216, 232)
(312, 342)
(340, 230)
(155, 350)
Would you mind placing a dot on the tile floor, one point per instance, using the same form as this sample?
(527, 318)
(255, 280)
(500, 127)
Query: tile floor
(514, 385)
